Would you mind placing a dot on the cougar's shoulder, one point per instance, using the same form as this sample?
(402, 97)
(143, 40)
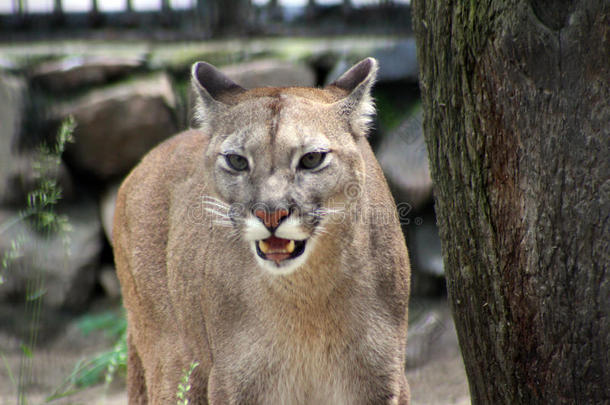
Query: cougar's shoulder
(146, 187)
(167, 161)
(140, 221)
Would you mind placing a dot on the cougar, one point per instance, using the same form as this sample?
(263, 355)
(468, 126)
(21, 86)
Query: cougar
(263, 249)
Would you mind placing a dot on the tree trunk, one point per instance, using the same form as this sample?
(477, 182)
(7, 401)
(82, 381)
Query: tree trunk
(517, 124)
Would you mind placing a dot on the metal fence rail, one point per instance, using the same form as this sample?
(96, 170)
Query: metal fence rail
(174, 19)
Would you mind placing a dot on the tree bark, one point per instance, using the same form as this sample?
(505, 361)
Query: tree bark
(517, 124)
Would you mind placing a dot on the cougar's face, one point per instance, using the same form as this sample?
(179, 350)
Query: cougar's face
(281, 166)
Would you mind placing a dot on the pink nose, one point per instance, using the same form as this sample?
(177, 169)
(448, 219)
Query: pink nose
(271, 219)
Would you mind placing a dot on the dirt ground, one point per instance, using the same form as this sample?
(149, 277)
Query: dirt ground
(434, 365)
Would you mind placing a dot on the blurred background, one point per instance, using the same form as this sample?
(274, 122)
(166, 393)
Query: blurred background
(87, 87)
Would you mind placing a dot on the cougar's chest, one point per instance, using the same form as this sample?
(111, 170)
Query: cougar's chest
(286, 354)
(311, 352)
(290, 371)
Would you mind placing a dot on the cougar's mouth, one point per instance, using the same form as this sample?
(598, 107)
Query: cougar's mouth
(278, 249)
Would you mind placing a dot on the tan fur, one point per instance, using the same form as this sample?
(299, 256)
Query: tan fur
(332, 331)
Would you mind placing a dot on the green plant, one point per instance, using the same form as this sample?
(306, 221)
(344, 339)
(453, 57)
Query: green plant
(39, 213)
(41, 202)
(185, 386)
(105, 366)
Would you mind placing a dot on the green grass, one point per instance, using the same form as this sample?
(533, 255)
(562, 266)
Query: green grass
(104, 367)
(41, 202)
(40, 214)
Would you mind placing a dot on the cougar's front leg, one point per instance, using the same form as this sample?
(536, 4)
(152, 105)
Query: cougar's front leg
(216, 395)
(405, 392)
(136, 382)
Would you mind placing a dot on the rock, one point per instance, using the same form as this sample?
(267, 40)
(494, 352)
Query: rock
(12, 108)
(431, 332)
(425, 243)
(397, 61)
(17, 174)
(61, 269)
(423, 336)
(403, 157)
(107, 202)
(435, 369)
(423, 240)
(20, 178)
(110, 282)
(341, 66)
(263, 73)
(7, 64)
(75, 72)
(118, 124)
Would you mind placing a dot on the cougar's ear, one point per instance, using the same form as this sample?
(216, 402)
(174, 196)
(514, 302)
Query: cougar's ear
(214, 91)
(358, 106)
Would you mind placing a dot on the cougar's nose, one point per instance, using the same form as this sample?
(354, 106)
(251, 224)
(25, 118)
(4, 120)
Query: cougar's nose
(271, 219)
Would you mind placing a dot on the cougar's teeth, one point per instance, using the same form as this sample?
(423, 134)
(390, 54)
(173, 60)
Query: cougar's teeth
(290, 247)
(263, 246)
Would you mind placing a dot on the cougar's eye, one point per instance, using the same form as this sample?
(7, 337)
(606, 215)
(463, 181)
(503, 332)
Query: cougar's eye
(236, 162)
(311, 160)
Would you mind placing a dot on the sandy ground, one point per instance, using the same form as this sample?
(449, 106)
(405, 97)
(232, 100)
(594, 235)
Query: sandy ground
(434, 365)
